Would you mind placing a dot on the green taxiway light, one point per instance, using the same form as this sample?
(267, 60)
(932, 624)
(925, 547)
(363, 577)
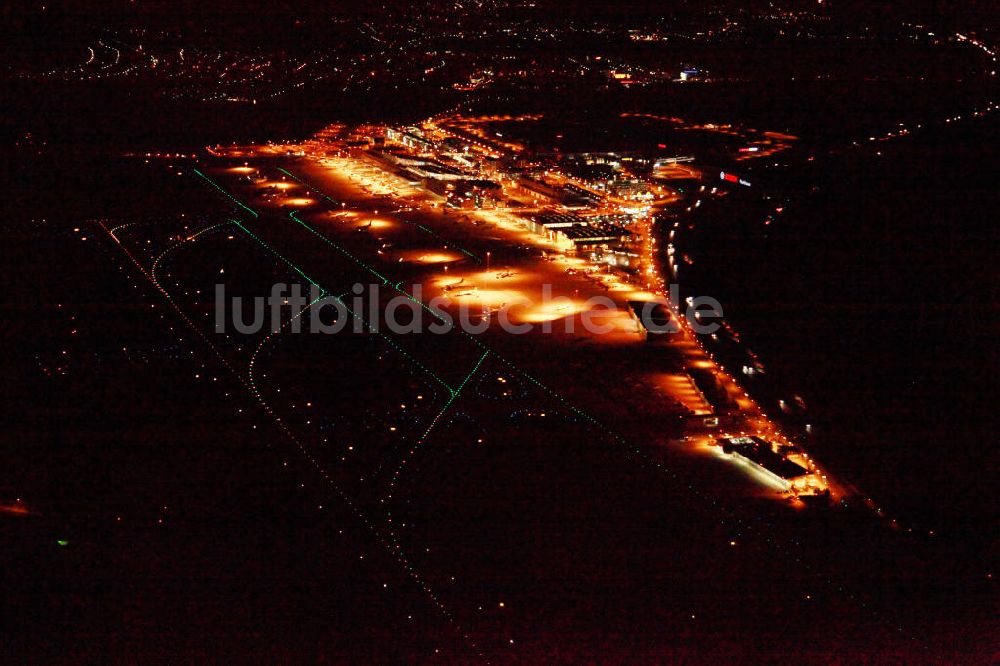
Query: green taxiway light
(231, 197)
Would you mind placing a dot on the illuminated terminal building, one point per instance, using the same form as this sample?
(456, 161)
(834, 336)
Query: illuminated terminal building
(410, 139)
(573, 231)
(758, 452)
(470, 193)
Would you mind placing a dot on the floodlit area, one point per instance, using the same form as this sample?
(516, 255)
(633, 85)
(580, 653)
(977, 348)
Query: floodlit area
(499, 332)
(552, 284)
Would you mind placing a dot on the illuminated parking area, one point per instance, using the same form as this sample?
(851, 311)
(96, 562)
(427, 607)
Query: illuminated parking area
(682, 389)
(428, 256)
(372, 179)
(503, 276)
(547, 312)
(492, 299)
(377, 224)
